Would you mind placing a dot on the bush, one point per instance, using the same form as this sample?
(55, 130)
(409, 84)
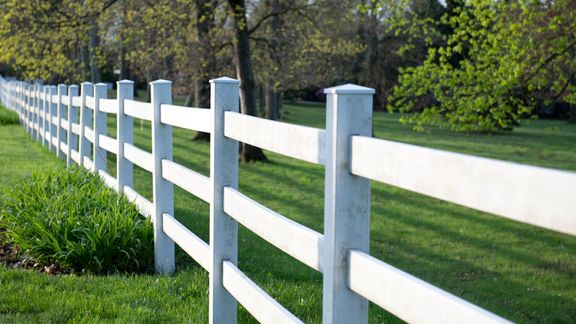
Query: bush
(72, 220)
(7, 117)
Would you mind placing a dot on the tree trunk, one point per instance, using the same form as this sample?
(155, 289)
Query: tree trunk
(272, 95)
(272, 100)
(243, 63)
(206, 68)
(94, 42)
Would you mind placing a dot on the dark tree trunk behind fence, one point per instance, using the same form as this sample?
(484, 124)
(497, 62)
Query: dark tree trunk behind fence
(243, 63)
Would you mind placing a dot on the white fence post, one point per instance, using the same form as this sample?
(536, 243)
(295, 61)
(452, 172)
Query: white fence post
(21, 104)
(53, 114)
(346, 202)
(45, 111)
(163, 189)
(125, 134)
(86, 90)
(72, 118)
(37, 129)
(38, 108)
(100, 127)
(223, 172)
(27, 105)
(62, 89)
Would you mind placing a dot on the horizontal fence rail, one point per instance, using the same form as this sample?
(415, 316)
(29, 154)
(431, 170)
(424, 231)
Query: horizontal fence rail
(72, 124)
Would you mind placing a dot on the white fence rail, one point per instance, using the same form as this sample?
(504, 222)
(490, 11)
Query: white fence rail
(73, 126)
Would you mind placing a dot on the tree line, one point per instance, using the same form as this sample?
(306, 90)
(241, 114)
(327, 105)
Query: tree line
(465, 65)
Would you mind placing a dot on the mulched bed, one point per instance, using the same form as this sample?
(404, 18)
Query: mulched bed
(10, 256)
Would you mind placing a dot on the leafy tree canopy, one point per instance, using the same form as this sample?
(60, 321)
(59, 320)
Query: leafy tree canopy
(500, 60)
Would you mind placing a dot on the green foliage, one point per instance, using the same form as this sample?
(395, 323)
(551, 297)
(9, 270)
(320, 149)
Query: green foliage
(501, 61)
(7, 117)
(71, 219)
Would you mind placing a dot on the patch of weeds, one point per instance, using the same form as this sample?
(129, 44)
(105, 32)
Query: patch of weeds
(70, 221)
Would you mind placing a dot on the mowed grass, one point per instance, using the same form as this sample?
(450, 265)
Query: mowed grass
(518, 271)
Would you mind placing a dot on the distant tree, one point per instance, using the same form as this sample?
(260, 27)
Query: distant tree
(244, 72)
(52, 40)
(511, 57)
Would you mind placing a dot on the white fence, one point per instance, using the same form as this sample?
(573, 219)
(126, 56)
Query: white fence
(538, 196)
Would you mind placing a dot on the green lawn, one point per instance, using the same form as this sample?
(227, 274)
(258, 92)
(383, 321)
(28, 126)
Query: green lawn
(518, 271)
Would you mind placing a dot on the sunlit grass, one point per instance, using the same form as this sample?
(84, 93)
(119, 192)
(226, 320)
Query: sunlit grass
(517, 271)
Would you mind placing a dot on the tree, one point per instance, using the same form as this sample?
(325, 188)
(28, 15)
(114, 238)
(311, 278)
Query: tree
(512, 57)
(52, 40)
(243, 63)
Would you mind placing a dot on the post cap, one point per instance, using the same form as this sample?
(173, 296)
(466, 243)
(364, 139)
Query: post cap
(101, 84)
(86, 83)
(125, 82)
(161, 82)
(225, 80)
(349, 89)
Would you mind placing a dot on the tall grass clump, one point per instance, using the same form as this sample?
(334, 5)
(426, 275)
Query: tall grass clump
(7, 117)
(70, 219)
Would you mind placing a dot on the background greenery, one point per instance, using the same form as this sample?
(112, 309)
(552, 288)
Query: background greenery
(518, 271)
(465, 65)
(7, 117)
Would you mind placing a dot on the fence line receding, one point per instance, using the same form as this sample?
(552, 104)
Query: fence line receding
(71, 122)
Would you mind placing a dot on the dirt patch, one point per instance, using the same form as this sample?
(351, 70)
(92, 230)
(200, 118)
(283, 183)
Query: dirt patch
(10, 256)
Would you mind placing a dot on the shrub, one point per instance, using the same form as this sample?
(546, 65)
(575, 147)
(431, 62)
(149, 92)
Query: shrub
(7, 117)
(72, 220)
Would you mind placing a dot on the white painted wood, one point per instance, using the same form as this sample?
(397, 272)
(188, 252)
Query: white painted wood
(346, 202)
(197, 119)
(108, 143)
(109, 106)
(100, 127)
(88, 163)
(55, 142)
(533, 195)
(145, 206)
(89, 134)
(256, 301)
(60, 114)
(193, 182)
(89, 102)
(300, 142)
(77, 101)
(71, 118)
(75, 156)
(137, 109)
(161, 93)
(139, 157)
(26, 104)
(75, 128)
(188, 241)
(63, 146)
(224, 96)
(408, 297)
(289, 236)
(64, 99)
(124, 134)
(109, 180)
(37, 109)
(55, 99)
(55, 120)
(53, 114)
(42, 112)
(64, 124)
